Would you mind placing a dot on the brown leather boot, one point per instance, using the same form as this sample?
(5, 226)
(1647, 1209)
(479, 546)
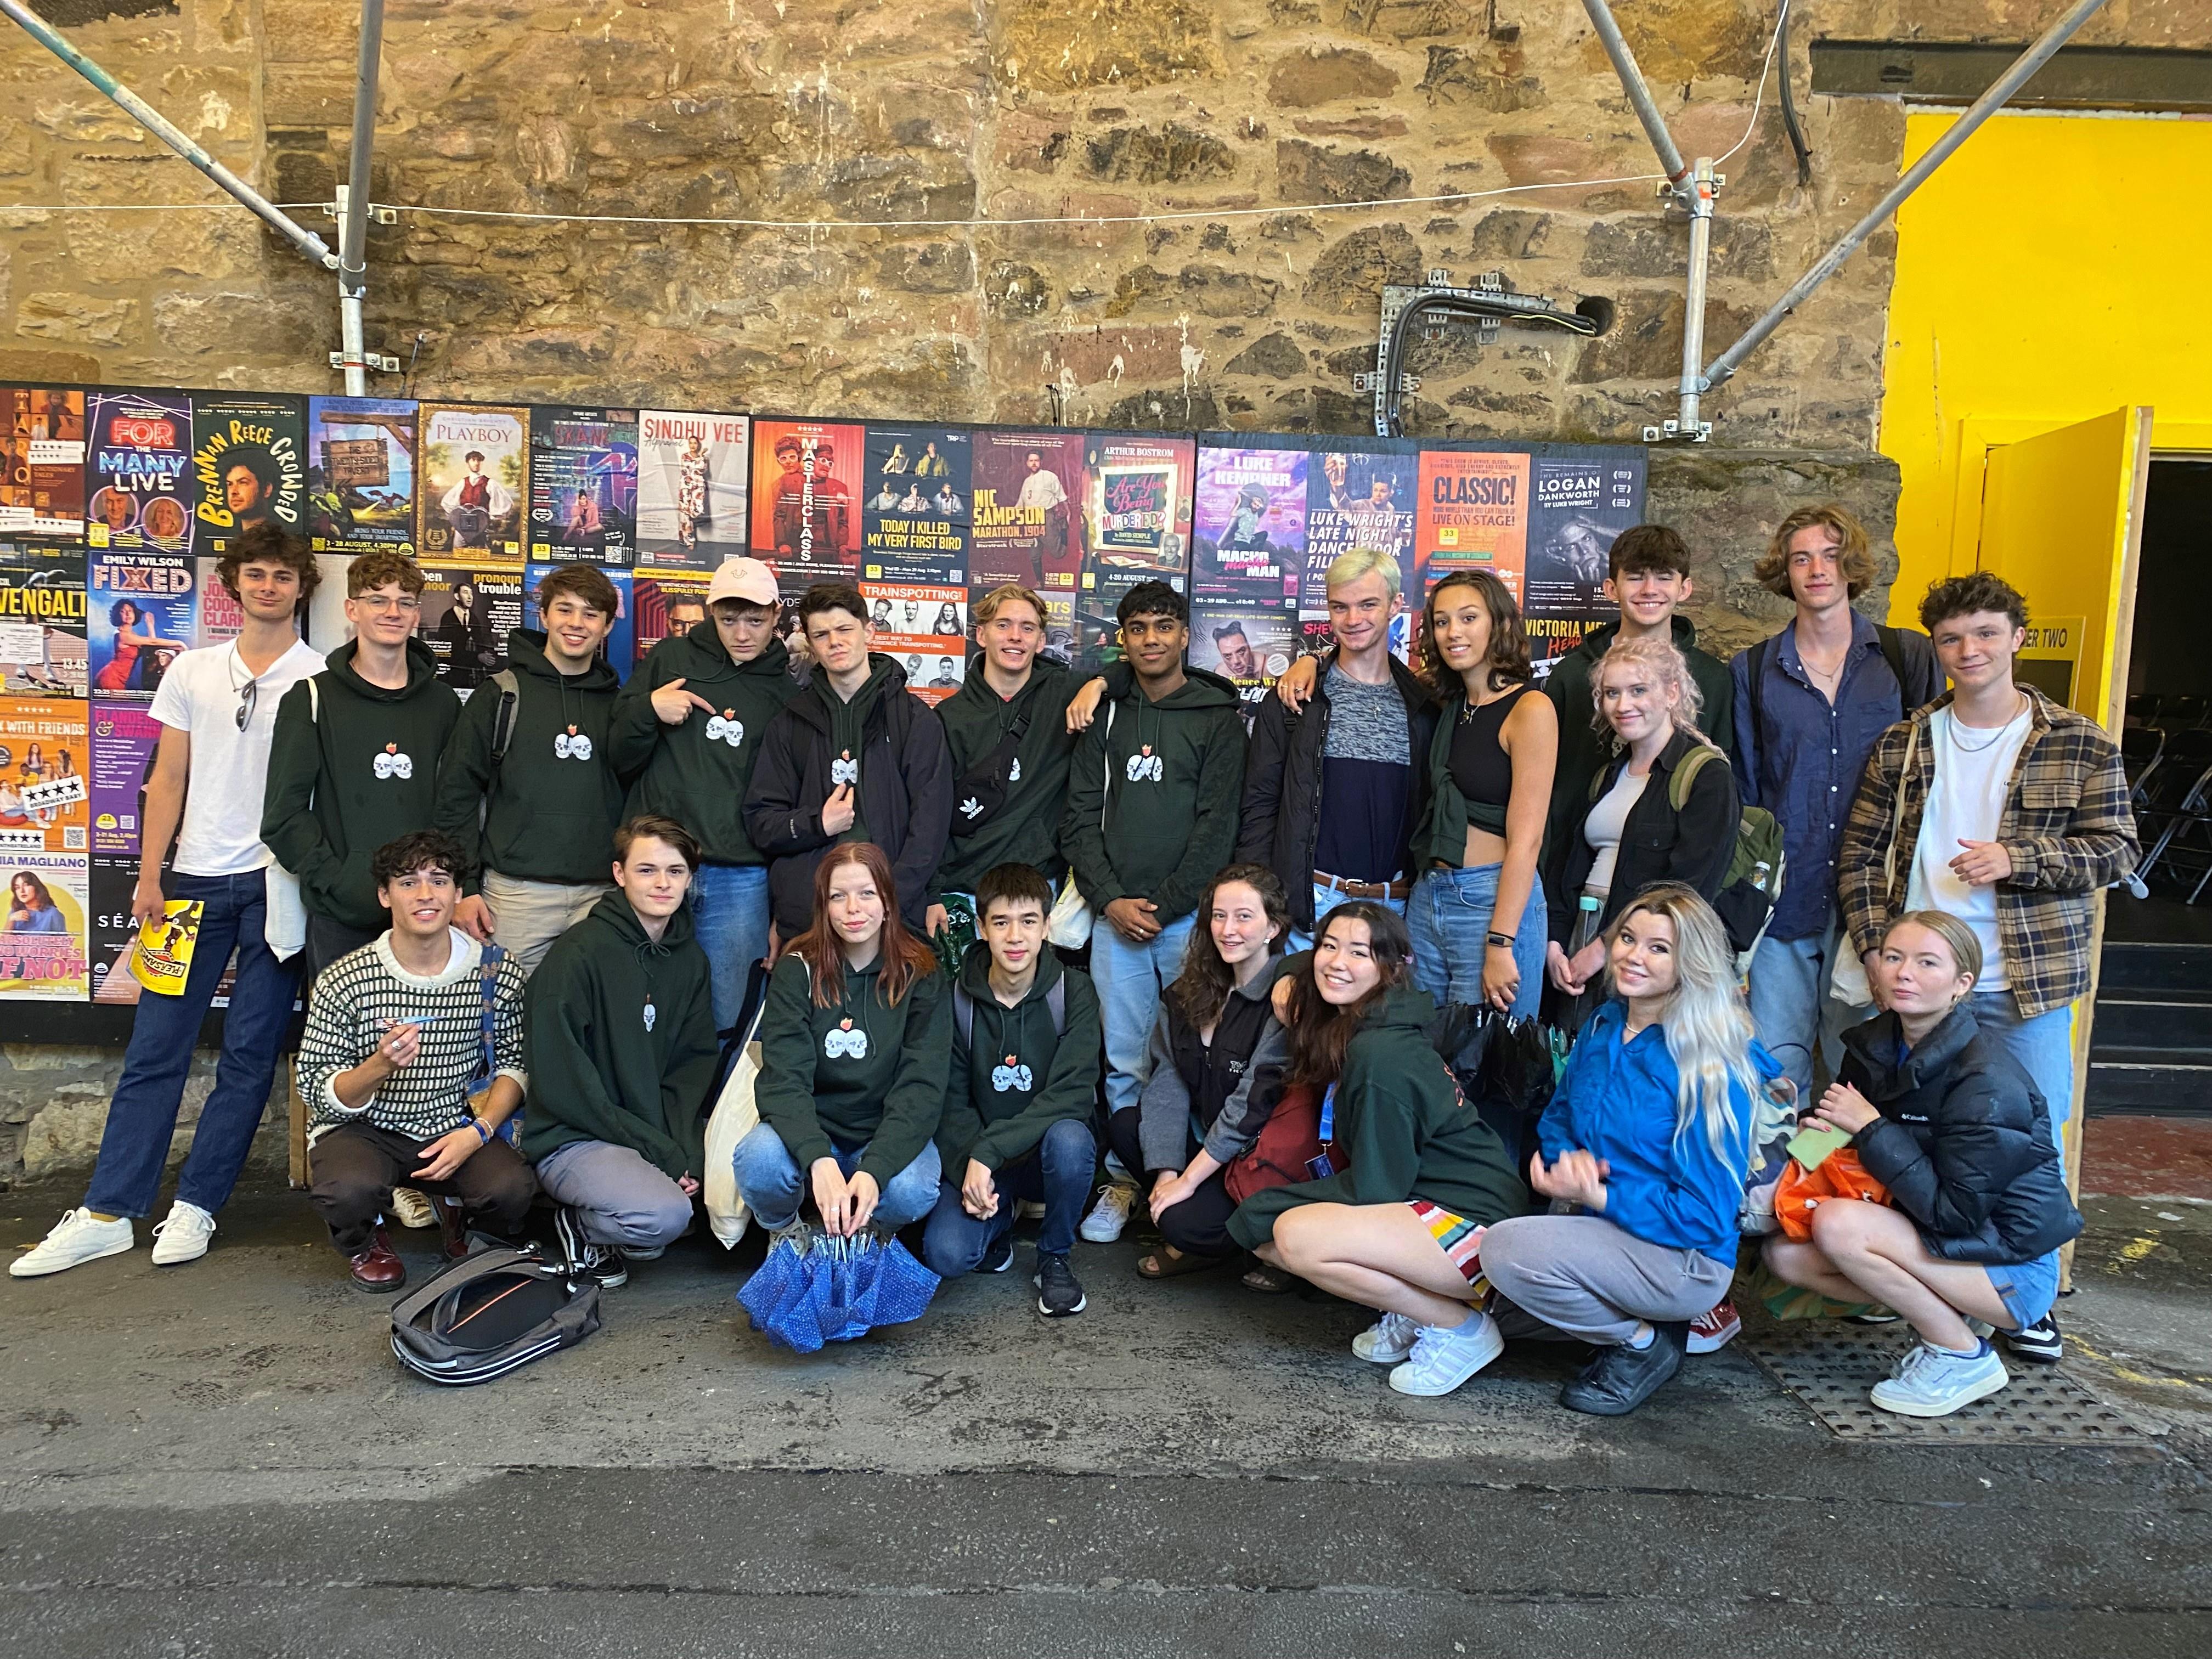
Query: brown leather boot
(453, 1227)
(378, 1269)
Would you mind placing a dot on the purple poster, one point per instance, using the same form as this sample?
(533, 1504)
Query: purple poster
(123, 738)
(1250, 527)
(142, 453)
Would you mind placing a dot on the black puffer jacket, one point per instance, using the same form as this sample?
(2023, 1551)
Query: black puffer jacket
(1963, 1143)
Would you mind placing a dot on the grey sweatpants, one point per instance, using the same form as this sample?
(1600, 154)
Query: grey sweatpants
(620, 1199)
(1584, 1275)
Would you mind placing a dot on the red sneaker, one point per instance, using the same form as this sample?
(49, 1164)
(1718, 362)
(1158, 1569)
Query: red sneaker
(1715, 1328)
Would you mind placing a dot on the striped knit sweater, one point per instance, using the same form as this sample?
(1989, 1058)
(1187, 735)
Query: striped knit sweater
(360, 996)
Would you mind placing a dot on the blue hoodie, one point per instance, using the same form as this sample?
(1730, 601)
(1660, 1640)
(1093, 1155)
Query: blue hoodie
(1617, 1100)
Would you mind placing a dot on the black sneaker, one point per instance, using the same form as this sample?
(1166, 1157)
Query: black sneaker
(998, 1257)
(2040, 1344)
(1059, 1293)
(586, 1257)
(1621, 1379)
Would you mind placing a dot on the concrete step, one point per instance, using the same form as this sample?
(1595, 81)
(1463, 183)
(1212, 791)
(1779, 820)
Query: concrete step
(2163, 1081)
(2128, 965)
(2153, 1019)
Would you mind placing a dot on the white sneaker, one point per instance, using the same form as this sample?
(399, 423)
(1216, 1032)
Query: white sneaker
(411, 1209)
(1932, 1384)
(1388, 1341)
(184, 1236)
(77, 1239)
(1443, 1359)
(1109, 1214)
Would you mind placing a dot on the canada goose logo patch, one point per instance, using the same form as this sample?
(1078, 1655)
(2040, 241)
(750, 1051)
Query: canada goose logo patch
(725, 727)
(844, 1043)
(844, 770)
(1012, 1075)
(393, 764)
(1144, 766)
(971, 809)
(572, 745)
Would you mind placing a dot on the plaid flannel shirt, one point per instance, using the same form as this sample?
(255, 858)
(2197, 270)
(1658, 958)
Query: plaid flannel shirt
(2067, 828)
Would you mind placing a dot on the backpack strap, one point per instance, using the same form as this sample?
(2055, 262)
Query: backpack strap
(1761, 655)
(1055, 1000)
(1893, 653)
(488, 980)
(502, 722)
(963, 1016)
(1686, 774)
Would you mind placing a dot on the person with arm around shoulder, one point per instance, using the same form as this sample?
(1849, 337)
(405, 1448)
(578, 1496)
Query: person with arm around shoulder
(1946, 1119)
(1649, 1139)
(1401, 1229)
(1630, 833)
(1477, 913)
(856, 1044)
(1026, 1058)
(1218, 1054)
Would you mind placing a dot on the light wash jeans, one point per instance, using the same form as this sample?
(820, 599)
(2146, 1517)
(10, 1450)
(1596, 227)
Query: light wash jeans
(730, 919)
(1128, 978)
(1449, 916)
(1791, 1009)
(1326, 899)
(2044, 1047)
(773, 1187)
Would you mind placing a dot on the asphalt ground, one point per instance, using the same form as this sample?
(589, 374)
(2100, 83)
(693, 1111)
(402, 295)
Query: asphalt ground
(223, 1459)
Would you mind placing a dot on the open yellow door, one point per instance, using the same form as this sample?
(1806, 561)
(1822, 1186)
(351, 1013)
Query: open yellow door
(2062, 521)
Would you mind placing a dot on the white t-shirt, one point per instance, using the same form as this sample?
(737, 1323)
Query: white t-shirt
(220, 832)
(1966, 802)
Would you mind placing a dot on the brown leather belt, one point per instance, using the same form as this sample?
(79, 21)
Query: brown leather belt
(1364, 890)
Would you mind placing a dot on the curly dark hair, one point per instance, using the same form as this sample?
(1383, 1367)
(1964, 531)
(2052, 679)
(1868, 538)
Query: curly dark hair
(1152, 599)
(1963, 596)
(265, 544)
(1509, 641)
(434, 848)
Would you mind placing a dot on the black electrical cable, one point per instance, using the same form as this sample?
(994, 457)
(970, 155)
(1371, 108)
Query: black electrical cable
(1788, 102)
(1575, 322)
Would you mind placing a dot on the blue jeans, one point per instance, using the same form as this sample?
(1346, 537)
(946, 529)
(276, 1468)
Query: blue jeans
(1057, 1170)
(1449, 916)
(772, 1185)
(1128, 978)
(2044, 1047)
(143, 1117)
(1326, 899)
(1791, 1009)
(730, 917)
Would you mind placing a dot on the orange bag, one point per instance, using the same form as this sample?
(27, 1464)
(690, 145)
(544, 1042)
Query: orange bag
(1801, 1190)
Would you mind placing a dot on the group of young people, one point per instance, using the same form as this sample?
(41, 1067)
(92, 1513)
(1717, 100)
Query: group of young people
(544, 909)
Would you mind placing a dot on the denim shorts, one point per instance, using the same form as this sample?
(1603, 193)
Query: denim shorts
(2029, 1290)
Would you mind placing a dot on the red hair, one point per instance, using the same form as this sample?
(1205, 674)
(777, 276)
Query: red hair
(904, 958)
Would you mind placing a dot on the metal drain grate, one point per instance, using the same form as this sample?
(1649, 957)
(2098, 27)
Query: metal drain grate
(1830, 1367)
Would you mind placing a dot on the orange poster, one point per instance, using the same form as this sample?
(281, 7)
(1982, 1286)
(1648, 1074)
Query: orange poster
(1474, 515)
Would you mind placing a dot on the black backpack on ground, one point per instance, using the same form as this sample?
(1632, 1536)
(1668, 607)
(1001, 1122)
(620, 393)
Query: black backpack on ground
(492, 1313)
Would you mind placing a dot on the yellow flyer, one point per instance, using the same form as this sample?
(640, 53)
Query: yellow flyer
(163, 960)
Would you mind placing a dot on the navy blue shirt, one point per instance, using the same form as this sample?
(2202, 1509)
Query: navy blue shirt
(1802, 763)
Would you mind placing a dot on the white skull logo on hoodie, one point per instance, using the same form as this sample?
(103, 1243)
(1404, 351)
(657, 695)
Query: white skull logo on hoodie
(843, 1042)
(393, 764)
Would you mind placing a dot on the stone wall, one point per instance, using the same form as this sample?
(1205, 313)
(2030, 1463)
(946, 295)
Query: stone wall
(945, 110)
(54, 1105)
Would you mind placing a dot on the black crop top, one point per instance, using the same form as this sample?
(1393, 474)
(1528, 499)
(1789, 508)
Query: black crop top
(1481, 770)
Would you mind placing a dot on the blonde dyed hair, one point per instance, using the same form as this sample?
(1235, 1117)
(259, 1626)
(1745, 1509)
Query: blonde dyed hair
(999, 598)
(1354, 563)
(1708, 1031)
(1958, 937)
(1663, 663)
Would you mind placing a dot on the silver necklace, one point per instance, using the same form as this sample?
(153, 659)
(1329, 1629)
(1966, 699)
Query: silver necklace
(1990, 742)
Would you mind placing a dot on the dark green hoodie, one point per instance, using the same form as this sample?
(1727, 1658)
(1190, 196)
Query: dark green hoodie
(888, 1096)
(1026, 828)
(1019, 1077)
(1404, 1130)
(698, 772)
(1169, 776)
(361, 773)
(553, 807)
(618, 1036)
(1583, 753)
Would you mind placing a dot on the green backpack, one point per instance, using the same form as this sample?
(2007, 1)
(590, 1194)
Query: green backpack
(1753, 882)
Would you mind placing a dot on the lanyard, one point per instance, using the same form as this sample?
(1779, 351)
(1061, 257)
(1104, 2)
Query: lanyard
(1329, 1114)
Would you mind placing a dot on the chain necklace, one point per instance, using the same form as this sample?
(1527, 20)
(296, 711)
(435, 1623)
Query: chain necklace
(1958, 726)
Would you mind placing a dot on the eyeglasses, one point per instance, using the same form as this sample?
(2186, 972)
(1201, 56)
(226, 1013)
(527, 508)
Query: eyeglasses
(386, 602)
(248, 694)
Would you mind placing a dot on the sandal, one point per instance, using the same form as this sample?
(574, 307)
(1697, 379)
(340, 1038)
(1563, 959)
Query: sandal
(1268, 1281)
(1166, 1264)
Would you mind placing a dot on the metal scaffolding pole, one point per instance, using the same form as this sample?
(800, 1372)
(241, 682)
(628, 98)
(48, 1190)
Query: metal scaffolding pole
(353, 203)
(1962, 130)
(154, 122)
(1639, 94)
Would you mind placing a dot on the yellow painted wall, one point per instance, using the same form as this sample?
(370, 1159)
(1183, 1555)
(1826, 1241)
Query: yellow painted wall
(2056, 268)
